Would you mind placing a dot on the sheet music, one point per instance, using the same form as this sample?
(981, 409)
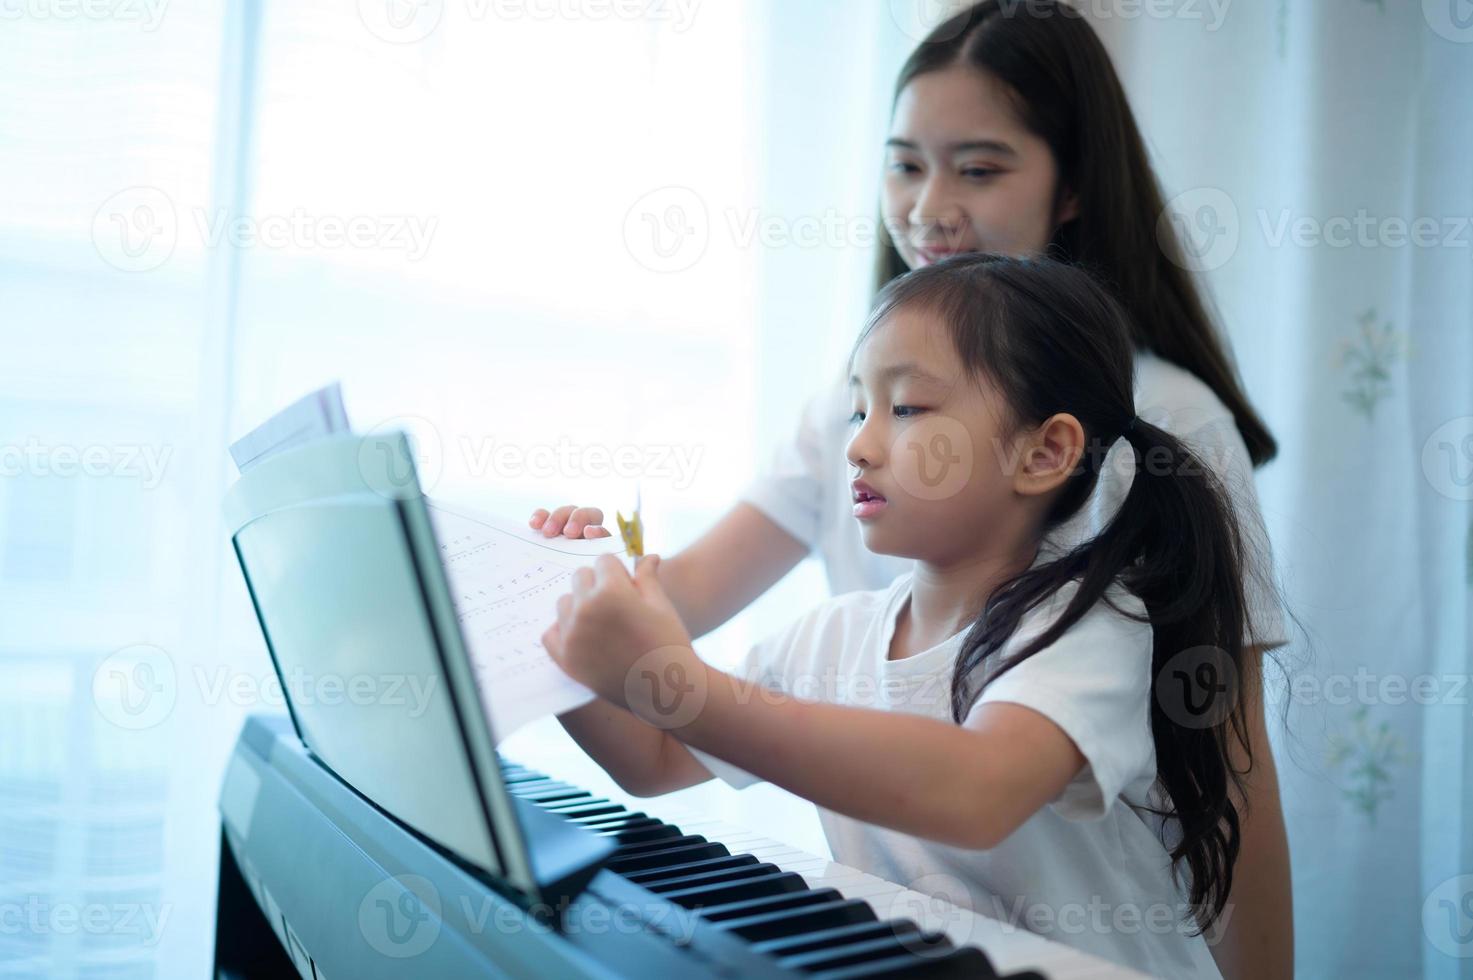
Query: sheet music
(505, 580)
(311, 417)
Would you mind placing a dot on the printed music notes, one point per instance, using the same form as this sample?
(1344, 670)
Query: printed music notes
(505, 580)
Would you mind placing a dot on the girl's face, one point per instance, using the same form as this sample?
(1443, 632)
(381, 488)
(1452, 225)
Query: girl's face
(963, 174)
(925, 443)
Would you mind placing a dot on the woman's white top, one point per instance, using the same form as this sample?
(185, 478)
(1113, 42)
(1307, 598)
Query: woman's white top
(806, 489)
(1088, 869)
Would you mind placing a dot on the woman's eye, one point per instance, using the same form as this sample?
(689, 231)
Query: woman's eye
(856, 418)
(979, 173)
(902, 167)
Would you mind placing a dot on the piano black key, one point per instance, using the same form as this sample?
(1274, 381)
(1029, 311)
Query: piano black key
(553, 794)
(854, 953)
(682, 841)
(844, 920)
(773, 903)
(807, 941)
(622, 821)
(587, 808)
(660, 859)
(527, 785)
(780, 883)
(966, 963)
(710, 877)
(640, 835)
(675, 871)
(522, 777)
(603, 818)
(629, 823)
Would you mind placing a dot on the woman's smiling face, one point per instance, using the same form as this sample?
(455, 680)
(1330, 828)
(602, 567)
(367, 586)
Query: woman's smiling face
(963, 174)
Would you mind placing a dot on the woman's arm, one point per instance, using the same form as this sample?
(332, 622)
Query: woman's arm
(742, 556)
(1258, 940)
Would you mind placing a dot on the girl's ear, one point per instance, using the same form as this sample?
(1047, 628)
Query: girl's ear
(1068, 208)
(1050, 454)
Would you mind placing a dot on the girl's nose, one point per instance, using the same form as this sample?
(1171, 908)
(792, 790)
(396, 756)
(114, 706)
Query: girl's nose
(860, 451)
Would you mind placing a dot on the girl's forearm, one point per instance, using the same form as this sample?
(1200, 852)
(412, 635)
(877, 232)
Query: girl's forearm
(906, 772)
(642, 759)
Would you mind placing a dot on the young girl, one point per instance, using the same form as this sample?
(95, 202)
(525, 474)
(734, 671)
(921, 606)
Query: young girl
(1011, 133)
(1031, 720)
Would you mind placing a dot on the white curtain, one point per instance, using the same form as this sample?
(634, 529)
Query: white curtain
(1320, 153)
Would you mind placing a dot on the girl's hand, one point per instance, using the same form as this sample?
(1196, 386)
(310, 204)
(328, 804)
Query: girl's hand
(613, 628)
(571, 521)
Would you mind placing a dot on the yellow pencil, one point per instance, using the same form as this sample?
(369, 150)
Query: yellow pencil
(632, 530)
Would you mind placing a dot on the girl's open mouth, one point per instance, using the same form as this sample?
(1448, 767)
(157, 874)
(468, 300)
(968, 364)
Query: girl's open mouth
(867, 503)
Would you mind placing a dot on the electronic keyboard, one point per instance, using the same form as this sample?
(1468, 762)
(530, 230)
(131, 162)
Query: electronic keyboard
(350, 892)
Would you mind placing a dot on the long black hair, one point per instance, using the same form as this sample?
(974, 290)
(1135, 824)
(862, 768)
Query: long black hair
(1050, 339)
(1067, 93)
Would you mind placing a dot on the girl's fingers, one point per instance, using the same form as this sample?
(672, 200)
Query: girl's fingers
(565, 603)
(552, 640)
(608, 570)
(646, 576)
(583, 517)
(555, 521)
(582, 583)
(538, 517)
(589, 533)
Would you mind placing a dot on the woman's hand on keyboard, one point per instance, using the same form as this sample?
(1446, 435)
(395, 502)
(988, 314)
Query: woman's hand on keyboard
(570, 521)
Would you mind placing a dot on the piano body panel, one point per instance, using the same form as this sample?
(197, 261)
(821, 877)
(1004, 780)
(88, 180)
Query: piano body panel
(333, 876)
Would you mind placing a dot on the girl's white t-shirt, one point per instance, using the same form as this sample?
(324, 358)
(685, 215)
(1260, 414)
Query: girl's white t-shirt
(806, 489)
(1088, 869)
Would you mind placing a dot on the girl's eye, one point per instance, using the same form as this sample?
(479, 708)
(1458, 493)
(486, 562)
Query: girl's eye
(902, 167)
(856, 418)
(979, 173)
(907, 411)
